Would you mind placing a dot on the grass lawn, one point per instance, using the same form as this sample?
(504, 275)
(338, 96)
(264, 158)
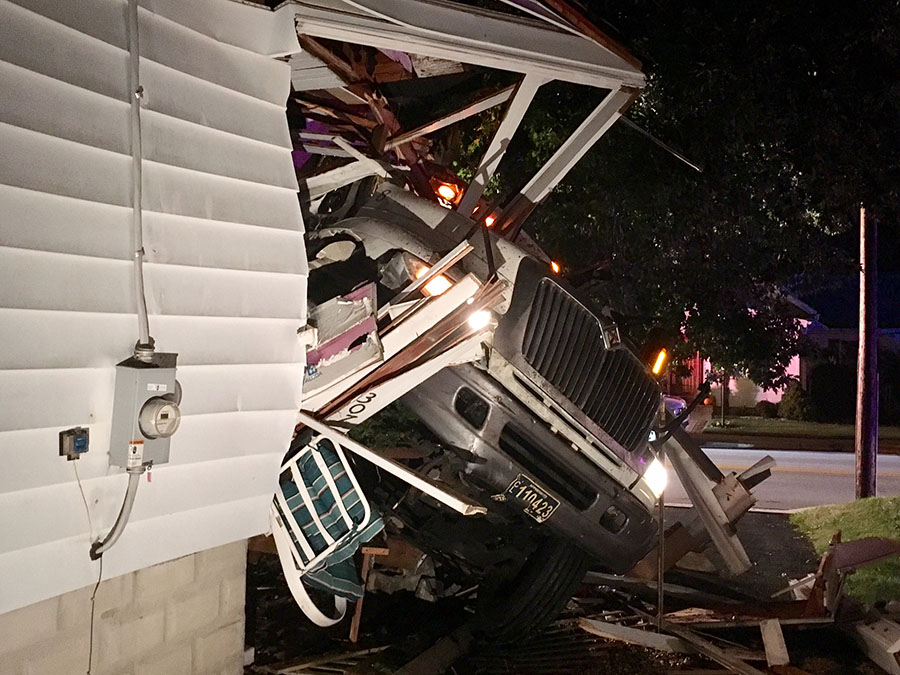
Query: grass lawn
(779, 427)
(873, 517)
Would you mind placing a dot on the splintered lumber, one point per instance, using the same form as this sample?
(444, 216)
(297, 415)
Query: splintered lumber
(636, 636)
(369, 553)
(336, 64)
(474, 108)
(658, 641)
(793, 613)
(709, 650)
(773, 641)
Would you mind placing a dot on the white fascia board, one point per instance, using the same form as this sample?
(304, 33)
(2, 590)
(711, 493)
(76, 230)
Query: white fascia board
(467, 35)
(525, 92)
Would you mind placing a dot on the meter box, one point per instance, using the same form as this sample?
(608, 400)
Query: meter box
(145, 411)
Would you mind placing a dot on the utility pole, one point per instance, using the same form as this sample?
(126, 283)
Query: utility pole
(867, 360)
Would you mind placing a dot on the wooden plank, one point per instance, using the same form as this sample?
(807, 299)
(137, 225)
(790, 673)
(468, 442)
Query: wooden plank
(773, 641)
(810, 622)
(403, 555)
(636, 636)
(304, 60)
(344, 95)
(658, 641)
(337, 65)
(315, 78)
(512, 117)
(711, 651)
(262, 543)
(746, 616)
(474, 108)
(427, 66)
(367, 561)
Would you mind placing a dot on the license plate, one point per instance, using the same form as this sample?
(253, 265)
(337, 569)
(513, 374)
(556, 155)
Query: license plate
(533, 499)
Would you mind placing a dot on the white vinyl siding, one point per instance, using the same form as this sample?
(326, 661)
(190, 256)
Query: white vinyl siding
(225, 276)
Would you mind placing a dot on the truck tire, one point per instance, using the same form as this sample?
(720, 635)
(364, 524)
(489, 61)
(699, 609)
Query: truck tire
(512, 609)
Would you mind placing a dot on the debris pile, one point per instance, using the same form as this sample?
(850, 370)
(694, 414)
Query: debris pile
(725, 631)
(809, 626)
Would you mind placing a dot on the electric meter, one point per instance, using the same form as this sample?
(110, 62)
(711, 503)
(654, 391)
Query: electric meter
(159, 418)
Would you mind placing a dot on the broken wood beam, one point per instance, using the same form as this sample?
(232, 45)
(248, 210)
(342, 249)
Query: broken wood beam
(442, 493)
(327, 114)
(335, 64)
(474, 108)
(709, 650)
(773, 641)
(636, 636)
(791, 612)
(369, 553)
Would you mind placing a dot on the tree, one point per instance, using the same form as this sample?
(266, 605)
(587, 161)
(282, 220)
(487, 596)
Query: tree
(791, 112)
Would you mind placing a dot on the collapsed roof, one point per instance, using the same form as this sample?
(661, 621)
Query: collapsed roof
(366, 64)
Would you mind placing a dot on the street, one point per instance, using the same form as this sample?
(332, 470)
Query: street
(800, 479)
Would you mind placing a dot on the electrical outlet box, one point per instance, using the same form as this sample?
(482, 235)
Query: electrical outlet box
(73, 443)
(145, 411)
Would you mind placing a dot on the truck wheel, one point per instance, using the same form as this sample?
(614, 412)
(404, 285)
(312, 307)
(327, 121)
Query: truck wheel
(508, 610)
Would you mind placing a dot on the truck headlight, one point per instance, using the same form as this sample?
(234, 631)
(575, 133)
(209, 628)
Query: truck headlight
(480, 319)
(437, 285)
(656, 477)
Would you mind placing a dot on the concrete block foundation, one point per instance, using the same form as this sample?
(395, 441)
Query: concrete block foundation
(185, 616)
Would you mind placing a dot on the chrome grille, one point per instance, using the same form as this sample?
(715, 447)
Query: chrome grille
(563, 342)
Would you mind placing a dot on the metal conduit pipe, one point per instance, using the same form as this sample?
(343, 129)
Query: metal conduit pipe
(143, 350)
(144, 347)
(98, 548)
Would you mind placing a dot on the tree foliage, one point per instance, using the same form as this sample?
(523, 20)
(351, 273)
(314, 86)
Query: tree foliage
(791, 110)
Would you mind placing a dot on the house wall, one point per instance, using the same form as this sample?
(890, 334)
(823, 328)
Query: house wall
(182, 617)
(225, 279)
(745, 393)
(742, 391)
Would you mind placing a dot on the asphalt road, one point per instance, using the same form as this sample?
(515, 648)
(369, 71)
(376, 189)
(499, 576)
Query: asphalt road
(800, 478)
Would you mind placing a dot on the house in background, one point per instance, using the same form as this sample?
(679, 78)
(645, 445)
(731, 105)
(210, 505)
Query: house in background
(829, 323)
(828, 366)
(836, 327)
(742, 391)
